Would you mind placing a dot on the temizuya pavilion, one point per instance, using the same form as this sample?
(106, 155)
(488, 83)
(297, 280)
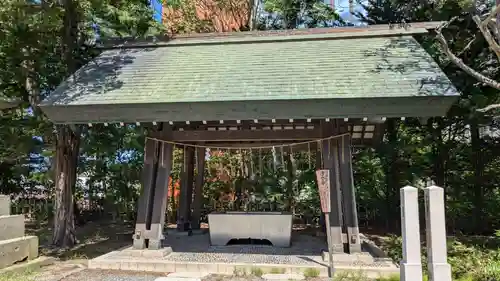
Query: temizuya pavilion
(255, 88)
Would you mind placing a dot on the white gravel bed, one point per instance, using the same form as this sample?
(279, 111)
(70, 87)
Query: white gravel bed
(238, 258)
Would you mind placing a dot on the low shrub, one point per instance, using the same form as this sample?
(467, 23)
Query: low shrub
(350, 276)
(311, 272)
(276, 270)
(470, 261)
(255, 271)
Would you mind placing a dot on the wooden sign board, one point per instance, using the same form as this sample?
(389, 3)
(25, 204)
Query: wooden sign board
(323, 179)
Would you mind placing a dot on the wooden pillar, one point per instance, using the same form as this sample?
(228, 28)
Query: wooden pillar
(153, 200)
(330, 161)
(161, 196)
(198, 191)
(348, 195)
(186, 193)
(145, 204)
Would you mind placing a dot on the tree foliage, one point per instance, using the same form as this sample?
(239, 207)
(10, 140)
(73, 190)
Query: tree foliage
(42, 44)
(460, 151)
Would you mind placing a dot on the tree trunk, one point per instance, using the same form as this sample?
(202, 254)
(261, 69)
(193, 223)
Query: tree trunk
(478, 166)
(289, 184)
(67, 148)
(67, 143)
(439, 151)
(392, 175)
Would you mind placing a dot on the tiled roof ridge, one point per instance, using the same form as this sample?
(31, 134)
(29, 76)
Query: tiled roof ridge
(327, 33)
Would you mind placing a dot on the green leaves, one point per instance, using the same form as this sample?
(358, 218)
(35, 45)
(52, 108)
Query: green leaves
(123, 18)
(289, 14)
(32, 48)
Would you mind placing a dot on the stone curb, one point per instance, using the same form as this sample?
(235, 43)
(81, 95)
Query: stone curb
(32, 264)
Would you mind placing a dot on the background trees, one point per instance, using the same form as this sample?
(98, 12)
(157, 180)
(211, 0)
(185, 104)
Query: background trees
(99, 167)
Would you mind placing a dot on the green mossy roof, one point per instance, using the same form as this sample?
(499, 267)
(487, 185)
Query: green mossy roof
(354, 68)
(302, 67)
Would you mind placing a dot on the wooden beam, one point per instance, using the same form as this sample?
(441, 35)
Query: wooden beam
(297, 147)
(241, 135)
(261, 123)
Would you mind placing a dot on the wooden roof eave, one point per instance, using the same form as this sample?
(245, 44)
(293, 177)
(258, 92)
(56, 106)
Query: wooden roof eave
(422, 106)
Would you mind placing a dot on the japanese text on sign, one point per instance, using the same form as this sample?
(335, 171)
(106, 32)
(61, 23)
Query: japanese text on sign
(323, 179)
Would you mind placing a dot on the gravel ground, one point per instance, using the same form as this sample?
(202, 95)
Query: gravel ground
(215, 277)
(108, 275)
(197, 248)
(306, 245)
(305, 250)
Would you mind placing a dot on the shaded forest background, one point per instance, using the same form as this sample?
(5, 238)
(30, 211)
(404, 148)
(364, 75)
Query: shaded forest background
(460, 151)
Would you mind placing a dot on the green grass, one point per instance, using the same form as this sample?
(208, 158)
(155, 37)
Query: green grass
(95, 239)
(240, 272)
(472, 258)
(276, 270)
(25, 275)
(389, 278)
(311, 272)
(357, 275)
(255, 271)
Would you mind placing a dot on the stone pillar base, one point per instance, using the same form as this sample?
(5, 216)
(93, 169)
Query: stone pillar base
(353, 240)
(354, 248)
(338, 248)
(154, 244)
(147, 253)
(139, 243)
(439, 272)
(411, 272)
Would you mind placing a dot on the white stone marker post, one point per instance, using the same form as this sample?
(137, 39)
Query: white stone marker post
(439, 269)
(411, 265)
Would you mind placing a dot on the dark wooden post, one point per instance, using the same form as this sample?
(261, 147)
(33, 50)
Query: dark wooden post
(145, 204)
(153, 200)
(161, 196)
(198, 192)
(349, 195)
(330, 158)
(186, 194)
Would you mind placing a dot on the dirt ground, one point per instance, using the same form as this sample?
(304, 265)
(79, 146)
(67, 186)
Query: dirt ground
(96, 239)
